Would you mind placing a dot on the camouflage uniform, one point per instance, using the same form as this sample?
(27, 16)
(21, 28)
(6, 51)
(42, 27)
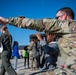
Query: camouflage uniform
(35, 55)
(33, 63)
(66, 29)
(31, 54)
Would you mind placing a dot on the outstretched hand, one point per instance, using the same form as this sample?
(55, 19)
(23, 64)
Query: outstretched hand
(3, 21)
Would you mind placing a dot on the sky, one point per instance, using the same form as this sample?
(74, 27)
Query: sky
(36, 9)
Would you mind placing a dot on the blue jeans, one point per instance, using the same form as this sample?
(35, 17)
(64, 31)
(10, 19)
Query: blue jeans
(15, 62)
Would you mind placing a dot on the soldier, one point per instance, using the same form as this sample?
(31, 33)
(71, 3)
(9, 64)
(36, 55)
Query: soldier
(36, 49)
(65, 13)
(66, 29)
(30, 54)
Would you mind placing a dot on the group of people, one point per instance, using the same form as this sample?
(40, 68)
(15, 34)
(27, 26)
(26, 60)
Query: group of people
(60, 36)
(6, 40)
(47, 48)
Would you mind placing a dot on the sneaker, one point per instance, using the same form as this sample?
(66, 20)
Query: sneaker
(51, 67)
(17, 70)
(44, 68)
(28, 67)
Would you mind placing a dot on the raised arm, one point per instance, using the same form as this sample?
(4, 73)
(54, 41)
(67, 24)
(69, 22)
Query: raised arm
(33, 24)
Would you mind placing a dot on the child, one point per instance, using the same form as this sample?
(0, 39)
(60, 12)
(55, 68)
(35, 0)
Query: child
(51, 49)
(26, 56)
(15, 54)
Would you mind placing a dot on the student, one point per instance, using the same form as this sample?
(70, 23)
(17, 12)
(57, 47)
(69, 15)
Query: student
(51, 49)
(26, 56)
(15, 54)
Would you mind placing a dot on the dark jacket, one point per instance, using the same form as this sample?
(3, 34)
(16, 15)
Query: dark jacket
(51, 51)
(6, 40)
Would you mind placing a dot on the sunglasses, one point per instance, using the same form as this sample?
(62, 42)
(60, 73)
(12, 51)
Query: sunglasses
(59, 16)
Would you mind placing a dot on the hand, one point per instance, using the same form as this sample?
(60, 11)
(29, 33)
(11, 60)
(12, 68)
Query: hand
(3, 21)
(39, 36)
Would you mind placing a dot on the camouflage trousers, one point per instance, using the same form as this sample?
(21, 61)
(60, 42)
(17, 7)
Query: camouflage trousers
(33, 63)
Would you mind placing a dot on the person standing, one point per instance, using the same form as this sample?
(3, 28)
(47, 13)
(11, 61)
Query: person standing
(31, 54)
(26, 56)
(6, 40)
(36, 50)
(15, 54)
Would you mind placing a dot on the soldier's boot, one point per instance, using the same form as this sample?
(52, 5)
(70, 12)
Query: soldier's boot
(35, 68)
(31, 69)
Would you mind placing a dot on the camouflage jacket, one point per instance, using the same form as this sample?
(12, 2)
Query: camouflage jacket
(41, 25)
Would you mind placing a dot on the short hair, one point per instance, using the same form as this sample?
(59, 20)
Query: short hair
(15, 43)
(68, 11)
(4, 28)
(26, 47)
